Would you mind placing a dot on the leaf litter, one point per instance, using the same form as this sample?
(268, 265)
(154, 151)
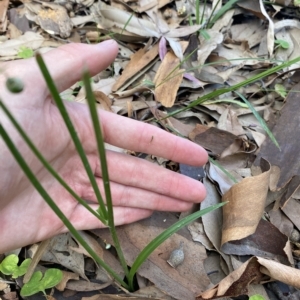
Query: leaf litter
(171, 55)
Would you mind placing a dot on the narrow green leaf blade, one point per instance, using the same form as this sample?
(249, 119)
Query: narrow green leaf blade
(260, 119)
(165, 235)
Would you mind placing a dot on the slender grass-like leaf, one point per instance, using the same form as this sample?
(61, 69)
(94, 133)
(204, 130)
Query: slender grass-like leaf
(45, 163)
(260, 119)
(214, 162)
(197, 12)
(105, 176)
(203, 12)
(62, 109)
(39, 188)
(228, 5)
(165, 235)
(232, 88)
(211, 15)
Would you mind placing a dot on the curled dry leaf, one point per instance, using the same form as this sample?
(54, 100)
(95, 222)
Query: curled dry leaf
(252, 271)
(246, 205)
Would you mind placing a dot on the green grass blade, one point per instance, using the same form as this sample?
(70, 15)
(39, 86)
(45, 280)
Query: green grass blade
(45, 163)
(62, 109)
(214, 162)
(260, 119)
(222, 11)
(203, 12)
(197, 12)
(165, 235)
(35, 182)
(232, 88)
(105, 176)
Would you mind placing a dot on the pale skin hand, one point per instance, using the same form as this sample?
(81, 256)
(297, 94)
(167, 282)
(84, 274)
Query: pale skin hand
(138, 187)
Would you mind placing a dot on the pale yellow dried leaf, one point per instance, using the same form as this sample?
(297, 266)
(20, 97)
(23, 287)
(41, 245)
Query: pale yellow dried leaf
(138, 61)
(246, 205)
(166, 86)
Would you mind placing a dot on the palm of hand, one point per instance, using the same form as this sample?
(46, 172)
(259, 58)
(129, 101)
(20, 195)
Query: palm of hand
(138, 187)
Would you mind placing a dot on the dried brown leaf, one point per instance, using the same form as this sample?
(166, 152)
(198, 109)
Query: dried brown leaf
(246, 205)
(137, 62)
(166, 85)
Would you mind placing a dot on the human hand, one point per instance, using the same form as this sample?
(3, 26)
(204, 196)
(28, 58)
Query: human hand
(138, 187)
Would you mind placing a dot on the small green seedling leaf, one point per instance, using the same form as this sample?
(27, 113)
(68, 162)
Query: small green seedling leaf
(25, 52)
(38, 283)
(283, 44)
(257, 297)
(14, 85)
(280, 90)
(9, 266)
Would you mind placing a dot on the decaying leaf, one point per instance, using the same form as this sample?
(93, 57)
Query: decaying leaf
(138, 61)
(167, 80)
(52, 17)
(252, 271)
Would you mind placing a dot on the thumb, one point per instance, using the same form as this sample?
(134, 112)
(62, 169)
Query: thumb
(65, 65)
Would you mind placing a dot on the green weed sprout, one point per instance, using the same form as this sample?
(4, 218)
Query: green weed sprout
(257, 297)
(9, 266)
(25, 52)
(39, 283)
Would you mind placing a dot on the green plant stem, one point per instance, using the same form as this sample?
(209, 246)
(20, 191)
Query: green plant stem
(102, 155)
(220, 12)
(232, 88)
(197, 12)
(260, 119)
(203, 12)
(35, 182)
(73, 134)
(45, 163)
(144, 254)
(214, 162)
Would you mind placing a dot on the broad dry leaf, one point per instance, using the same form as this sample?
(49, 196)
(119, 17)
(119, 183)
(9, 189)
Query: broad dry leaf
(283, 223)
(167, 82)
(138, 61)
(85, 286)
(286, 132)
(3, 14)
(103, 100)
(246, 205)
(29, 39)
(218, 141)
(59, 251)
(52, 17)
(252, 271)
(66, 277)
(106, 256)
(213, 221)
(208, 45)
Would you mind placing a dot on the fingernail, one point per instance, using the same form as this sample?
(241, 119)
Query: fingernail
(107, 43)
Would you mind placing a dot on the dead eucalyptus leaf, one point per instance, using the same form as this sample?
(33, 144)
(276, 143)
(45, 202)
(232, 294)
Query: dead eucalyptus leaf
(167, 83)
